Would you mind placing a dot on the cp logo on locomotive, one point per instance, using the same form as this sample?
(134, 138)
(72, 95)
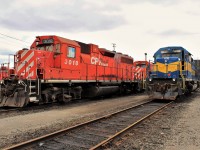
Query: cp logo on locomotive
(95, 60)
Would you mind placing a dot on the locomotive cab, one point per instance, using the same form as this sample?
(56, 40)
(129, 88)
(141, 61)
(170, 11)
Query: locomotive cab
(58, 55)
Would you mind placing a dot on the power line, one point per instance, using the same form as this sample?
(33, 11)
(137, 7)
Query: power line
(10, 43)
(14, 38)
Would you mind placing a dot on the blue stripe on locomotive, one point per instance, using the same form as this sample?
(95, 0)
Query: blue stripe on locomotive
(167, 60)
(174, 74)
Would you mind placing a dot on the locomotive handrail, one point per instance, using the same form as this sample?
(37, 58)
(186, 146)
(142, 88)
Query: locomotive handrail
(86, 72)
(0, 93)
(24, 84)
(107, 67)
(96, 73)
(96, 67)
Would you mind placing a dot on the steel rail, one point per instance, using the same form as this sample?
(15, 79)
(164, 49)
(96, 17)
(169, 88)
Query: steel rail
(53, 134)
(8, 110)
(127, 128)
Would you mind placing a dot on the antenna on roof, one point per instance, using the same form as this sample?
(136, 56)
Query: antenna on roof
(114, 45)
(145, 54)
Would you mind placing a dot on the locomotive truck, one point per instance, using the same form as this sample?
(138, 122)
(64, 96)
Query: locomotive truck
(57, 69)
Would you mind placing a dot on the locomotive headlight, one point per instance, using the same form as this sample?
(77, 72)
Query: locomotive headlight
(150, 80)
(19, 81)
(174, 80)
(1, 82)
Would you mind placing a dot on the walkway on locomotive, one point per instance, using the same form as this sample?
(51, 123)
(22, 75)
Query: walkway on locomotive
(173, 62)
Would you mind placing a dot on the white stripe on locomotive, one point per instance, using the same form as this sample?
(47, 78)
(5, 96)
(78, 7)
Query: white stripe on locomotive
(23, 63)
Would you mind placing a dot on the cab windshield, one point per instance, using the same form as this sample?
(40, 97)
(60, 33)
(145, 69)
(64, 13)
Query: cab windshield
(45, 47)
(141, 65)
(168, 55)
(171, 55)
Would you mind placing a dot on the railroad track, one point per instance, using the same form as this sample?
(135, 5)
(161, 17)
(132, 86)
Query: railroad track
(94, 134)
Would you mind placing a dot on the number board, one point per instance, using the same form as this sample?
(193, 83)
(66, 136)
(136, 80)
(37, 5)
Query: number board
(47, 41)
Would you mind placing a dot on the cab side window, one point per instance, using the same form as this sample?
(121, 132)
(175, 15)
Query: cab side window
(71, 52)
(57, 48)
(190, 58)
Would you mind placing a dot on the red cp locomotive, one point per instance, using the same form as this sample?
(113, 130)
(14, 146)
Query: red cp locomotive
(5, 71)
(140, 69)
(57, 69)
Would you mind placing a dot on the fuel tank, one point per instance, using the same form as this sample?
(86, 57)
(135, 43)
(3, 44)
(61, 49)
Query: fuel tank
(98, 91)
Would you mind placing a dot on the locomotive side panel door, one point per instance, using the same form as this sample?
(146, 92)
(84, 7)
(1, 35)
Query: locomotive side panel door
(57, 56)
(70, 62)
(118, 67)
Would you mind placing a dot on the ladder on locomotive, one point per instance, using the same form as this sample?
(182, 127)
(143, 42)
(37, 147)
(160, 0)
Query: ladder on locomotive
(32, 88)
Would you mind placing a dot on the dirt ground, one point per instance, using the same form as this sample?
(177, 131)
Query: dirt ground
(21, 127)
(175, 128)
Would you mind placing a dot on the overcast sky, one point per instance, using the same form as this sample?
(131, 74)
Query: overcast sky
(136, 26)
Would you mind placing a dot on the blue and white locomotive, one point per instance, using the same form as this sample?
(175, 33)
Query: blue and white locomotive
(173, 73)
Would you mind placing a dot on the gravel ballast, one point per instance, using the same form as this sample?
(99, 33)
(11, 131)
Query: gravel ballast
(175, 128)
